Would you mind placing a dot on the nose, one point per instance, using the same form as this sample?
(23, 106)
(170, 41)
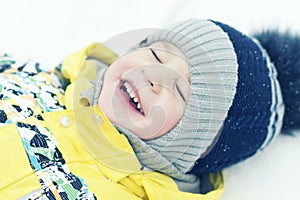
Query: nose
(158, 77)
(155, 86)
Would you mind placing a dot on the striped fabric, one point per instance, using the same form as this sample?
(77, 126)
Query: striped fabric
(277, 108)
(255, 116)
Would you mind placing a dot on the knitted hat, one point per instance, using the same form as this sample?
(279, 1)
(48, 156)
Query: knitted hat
(232, 110)
(213, 79)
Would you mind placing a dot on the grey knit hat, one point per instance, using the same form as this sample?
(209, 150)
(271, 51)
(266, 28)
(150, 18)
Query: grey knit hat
(234, 108)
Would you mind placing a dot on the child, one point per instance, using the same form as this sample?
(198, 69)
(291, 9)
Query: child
(193, 99)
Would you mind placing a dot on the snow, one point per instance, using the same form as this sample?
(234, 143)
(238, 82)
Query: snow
(48, 31)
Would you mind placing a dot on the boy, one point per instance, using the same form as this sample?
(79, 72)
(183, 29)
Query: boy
(198, 97)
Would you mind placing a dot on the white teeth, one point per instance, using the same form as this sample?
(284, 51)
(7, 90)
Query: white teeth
(131, 93)
(129, 90)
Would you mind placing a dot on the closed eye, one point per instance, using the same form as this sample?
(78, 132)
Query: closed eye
(155, 55)
(180, 93)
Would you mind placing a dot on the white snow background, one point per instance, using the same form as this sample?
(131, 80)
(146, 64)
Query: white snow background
(48, 31)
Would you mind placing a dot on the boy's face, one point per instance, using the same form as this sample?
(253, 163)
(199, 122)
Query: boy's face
(146, 90)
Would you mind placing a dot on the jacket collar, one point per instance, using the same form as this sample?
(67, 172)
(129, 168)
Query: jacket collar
(115, 151)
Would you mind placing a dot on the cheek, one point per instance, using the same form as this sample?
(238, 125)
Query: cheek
(173, 112)
(105, 100)
(164, 116)
(123, 64)
(113, 71)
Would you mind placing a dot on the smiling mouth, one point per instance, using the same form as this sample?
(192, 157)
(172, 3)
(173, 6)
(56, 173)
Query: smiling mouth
(132, 97)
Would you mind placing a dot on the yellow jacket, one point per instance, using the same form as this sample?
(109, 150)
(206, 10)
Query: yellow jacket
(92, 148)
